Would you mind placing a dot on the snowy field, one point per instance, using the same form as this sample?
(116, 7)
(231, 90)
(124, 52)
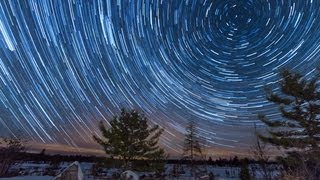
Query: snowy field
(30, 178)
(44, 171)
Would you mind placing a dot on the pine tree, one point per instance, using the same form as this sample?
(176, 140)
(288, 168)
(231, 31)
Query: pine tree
(299, 129)
(299, 104)
(130, 138)
(192, 147)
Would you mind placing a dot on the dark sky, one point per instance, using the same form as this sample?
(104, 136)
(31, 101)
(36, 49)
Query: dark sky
(67, 64)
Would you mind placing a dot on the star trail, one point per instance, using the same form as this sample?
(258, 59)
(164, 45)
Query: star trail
(67, 64)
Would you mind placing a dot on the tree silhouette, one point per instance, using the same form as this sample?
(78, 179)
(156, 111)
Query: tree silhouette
(244, 172)
(10, 151)
(130, 138)
(299, 129)
(299, 104)
(192, 147)
(260, 152)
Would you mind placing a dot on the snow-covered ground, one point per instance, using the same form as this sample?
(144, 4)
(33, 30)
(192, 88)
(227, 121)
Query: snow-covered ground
(29, 178)
(47, 171)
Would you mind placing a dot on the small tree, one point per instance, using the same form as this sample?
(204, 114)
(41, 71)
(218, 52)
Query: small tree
(244, 172)
(130, 138)
(192, 147)
(299, 104)
(9, 152)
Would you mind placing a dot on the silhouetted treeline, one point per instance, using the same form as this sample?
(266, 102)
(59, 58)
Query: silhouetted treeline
(57, 158)
(41, 157)
(232, 161)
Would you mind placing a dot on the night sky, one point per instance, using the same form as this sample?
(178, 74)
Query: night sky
(65, 65)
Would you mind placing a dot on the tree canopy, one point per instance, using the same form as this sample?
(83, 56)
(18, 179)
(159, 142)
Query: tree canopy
(298, 130)
(192, 147)
(299, 104)
(130, 137)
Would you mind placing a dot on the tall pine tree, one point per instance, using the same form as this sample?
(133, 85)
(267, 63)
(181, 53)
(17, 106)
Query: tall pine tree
(299, 104)
(130, 138)
(299, 129)
(192, 147)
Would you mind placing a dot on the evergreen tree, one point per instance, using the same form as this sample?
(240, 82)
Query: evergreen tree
(130, 138)
(299, 104)
(192, 147)
(299, 129)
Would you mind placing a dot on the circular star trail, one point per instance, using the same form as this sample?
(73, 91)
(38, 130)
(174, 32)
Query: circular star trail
(65, 65)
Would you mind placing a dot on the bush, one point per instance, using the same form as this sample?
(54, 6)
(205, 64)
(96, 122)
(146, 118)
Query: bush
(244, 172)
(10, 153)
